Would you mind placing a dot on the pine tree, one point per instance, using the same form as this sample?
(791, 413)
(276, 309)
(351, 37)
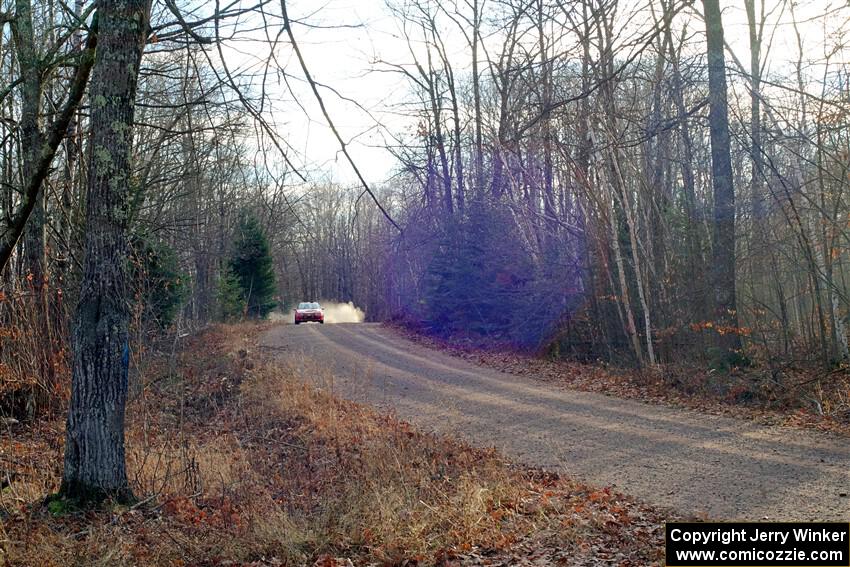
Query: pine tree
(231, 303)
(477, 279)
(252, 266)
(161, 285)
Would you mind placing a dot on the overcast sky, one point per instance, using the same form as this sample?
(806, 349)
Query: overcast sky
(343, 41)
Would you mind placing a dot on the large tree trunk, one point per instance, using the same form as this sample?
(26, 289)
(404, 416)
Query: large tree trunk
(723, 250)
(94, 447)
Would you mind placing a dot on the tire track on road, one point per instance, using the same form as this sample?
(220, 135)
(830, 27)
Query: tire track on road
(695, 463)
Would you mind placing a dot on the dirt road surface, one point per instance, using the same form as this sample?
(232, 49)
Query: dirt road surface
(715, 466)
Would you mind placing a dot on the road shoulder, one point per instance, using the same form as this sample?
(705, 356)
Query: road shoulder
(664, 385)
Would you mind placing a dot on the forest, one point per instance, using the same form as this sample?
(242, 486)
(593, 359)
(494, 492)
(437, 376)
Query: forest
(660, 187)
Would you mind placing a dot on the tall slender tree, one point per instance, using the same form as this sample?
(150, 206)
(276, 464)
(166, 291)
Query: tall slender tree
(723, 250)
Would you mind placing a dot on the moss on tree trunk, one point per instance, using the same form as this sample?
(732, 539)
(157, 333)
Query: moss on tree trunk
(94, 449)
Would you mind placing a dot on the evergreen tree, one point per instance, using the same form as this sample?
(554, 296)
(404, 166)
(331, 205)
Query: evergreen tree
(231, 302)
(478, 277)
(161, 285)
(252, 266)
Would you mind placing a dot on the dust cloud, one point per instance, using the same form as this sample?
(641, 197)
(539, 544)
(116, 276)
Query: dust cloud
(342, 313)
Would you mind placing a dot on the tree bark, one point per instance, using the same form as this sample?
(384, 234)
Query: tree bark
(95, 465)
(723, 251)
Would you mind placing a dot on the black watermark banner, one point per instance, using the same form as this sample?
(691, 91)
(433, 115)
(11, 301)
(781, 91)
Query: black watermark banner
(762, 544)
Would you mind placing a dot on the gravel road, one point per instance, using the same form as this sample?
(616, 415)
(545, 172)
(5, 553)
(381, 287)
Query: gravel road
(694, 463)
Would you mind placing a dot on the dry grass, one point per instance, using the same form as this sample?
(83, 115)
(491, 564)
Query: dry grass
(34, 369)
(239, 462)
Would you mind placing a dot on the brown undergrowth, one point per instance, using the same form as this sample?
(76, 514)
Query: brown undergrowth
(34, 361)
(237, 461)
(794, 396)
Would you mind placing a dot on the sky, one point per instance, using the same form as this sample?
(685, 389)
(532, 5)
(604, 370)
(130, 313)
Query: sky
(344, 59)
(344, 42)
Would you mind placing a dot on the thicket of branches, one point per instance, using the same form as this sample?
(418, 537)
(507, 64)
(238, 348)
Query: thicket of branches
(563, 187)
(201, 159)
(604, 179)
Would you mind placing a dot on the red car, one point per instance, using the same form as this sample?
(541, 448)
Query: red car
(309, 312)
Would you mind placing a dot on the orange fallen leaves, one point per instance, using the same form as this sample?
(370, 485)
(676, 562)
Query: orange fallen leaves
(263, 458)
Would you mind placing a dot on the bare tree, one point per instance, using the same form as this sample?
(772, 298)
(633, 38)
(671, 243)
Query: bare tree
(723, 245)
(94, 447)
